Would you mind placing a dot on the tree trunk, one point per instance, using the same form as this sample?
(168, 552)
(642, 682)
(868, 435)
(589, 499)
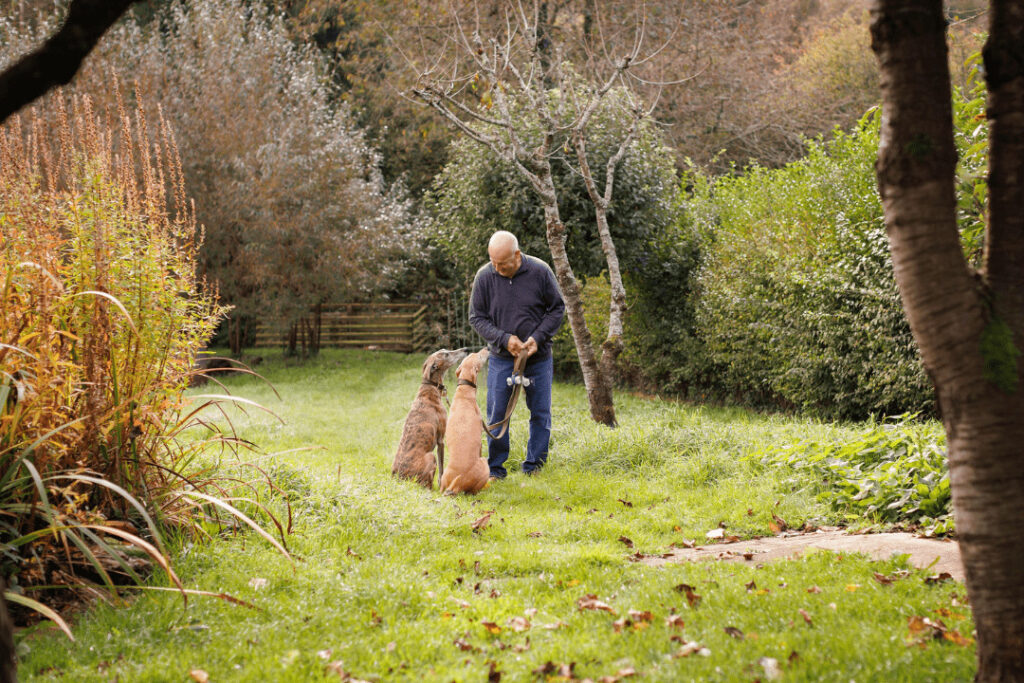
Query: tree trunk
(969, 328)
(598, 385)
(293, 339)
(613, 345)
(235, 336)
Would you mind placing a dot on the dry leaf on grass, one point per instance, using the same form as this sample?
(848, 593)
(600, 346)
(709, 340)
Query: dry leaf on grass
(199, 676)
(591, 602)
(482, 522)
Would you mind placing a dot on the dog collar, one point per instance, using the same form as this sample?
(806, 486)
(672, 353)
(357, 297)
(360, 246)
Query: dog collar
(466, 383)
(437, 385)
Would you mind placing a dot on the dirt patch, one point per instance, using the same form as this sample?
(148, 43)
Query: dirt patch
(922, 551)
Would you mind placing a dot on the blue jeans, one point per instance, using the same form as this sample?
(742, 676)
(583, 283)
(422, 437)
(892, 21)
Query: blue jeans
(538, 400)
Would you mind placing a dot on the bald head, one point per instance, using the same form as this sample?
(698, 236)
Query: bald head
(503, 250)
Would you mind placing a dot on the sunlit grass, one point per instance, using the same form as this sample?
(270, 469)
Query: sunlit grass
(391, 575)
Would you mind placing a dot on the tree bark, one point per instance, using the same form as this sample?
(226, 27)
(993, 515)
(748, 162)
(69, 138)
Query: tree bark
(57, 60)
(969, 326)
(597, 384)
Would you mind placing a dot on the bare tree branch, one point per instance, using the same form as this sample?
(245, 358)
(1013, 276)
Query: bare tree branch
(57, 60)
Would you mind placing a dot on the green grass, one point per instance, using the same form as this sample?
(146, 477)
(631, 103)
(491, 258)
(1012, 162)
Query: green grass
(389, 575)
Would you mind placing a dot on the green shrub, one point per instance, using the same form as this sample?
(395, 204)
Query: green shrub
(795, 302)
(895, 473)
(102, 314)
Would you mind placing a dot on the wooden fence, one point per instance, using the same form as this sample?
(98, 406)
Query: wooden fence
(390, 326)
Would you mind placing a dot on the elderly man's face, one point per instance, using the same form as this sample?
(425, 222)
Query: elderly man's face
(505, 259)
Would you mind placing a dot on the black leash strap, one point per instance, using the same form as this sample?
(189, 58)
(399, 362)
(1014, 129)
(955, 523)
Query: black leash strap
(517, 387)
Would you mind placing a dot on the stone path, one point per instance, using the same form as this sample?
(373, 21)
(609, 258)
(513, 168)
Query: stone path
(922, 551)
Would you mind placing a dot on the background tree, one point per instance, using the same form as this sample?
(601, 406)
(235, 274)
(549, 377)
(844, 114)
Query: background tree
(294, 207)
(969, 324)
(525, 95)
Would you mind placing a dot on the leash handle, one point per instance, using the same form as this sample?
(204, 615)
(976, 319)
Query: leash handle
(517, 387)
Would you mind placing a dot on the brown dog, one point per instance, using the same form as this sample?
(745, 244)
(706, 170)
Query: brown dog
(467, 472)
(425, 424)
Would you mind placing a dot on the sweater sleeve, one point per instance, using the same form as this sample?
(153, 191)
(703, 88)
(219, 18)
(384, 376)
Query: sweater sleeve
(555, 306)
(480, 319)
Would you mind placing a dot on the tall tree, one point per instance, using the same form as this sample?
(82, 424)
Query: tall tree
(969, 324)
(520, 99)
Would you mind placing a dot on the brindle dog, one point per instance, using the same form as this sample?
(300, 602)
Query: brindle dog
(425, 424)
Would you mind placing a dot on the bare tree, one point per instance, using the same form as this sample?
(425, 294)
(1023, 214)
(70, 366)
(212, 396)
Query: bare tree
(531, 108)
(968, 324)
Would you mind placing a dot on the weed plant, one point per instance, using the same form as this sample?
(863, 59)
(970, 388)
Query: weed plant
(894, 473)
(101, 315)
(393, 583)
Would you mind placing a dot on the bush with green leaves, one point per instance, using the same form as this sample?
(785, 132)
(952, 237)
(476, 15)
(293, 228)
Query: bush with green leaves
(477, 194)
(895, 473)
(796, 301)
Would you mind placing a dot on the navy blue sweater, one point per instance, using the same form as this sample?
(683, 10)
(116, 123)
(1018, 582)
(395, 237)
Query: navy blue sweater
(528, 304)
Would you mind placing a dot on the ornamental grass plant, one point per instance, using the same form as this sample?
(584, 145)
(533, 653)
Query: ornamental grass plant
(102, 315)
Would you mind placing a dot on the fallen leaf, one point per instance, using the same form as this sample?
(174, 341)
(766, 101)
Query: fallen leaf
(324, 654)
(748, 556)
(591, 602)
(637, 615)
(751, 586)
(535, 534)
(771, 667)
(938, 578)
(495, 593)
(685, 543)
(692, 647)
(552, 669)
(774, 528)
(620, 624)
(199, 676)
(625, 502)
(463, 645)
(257, 583)
(806, 616)
(625, 541)
(715, 533)
(556, 625)
(493, 675)
(734, 632)
(482, 522)
(677, 528)
(882, 579)
(491, 627)
(352, 553)
(519, 624)
(337, 668)
(375, 618)
(783, 525)
(813, 589)
(390, 647)
(958, 638)
(691, 597)
(573, 582)
(852, 587)
(793, 656)
(674, 621)
(750, 512)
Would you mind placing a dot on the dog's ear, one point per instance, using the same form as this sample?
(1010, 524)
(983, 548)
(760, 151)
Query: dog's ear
(428, 367)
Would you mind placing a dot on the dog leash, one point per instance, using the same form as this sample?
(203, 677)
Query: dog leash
(516, 381)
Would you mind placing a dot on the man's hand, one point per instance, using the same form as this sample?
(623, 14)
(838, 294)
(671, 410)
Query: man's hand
(515, 345)
(530, 347)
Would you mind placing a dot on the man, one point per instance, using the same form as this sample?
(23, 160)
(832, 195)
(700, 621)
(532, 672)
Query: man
(515, 298)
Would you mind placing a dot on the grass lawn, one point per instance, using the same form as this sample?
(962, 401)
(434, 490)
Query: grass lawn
(392, 581)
